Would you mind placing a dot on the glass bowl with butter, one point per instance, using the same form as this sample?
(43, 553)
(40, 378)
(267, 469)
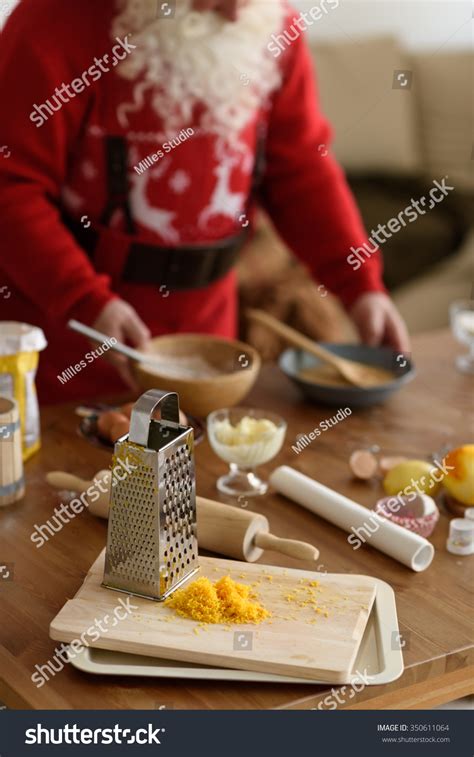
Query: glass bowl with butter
(245, 438)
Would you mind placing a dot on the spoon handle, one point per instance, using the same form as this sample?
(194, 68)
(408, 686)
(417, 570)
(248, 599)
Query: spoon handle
(292, 336)
(97, 336)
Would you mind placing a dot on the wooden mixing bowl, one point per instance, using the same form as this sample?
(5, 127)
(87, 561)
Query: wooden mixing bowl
(238, 363)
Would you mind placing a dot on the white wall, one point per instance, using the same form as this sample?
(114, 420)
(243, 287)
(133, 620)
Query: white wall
(419, 24)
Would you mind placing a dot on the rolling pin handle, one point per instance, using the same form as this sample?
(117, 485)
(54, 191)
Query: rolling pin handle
(301, 550)
(62, 480)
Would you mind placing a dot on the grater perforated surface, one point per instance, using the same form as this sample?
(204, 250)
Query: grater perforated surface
(152, 540)
(178, 514)
(133, 544)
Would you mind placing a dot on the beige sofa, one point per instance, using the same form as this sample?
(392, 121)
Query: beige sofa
(401, 121)
(424, 130)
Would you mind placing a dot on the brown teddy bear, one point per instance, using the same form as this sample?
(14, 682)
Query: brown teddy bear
(271, 279)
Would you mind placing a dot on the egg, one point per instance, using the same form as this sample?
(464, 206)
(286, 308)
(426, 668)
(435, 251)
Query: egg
(107, 420)
(459, 481)
(119, 428)
(127, 409)
(414, 473)
(363, 464)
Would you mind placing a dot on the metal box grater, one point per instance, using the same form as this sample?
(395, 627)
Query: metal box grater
(151, 539)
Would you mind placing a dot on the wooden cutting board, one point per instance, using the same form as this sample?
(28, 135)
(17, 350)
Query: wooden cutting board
(296, 641)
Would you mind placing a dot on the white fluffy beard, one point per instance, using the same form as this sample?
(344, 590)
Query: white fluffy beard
(198, 60)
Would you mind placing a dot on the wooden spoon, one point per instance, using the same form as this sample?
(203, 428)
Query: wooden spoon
(358, 374)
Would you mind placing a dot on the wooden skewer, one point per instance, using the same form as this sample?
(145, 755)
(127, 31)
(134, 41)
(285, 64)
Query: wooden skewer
(358, 374)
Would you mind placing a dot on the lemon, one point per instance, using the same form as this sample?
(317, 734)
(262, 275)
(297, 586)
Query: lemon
(416, 474)
(460, 481)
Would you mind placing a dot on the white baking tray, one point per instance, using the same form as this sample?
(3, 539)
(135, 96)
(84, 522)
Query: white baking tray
(380, 658)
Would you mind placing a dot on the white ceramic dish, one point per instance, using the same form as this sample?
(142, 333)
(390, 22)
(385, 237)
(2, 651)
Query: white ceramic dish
(379, 660)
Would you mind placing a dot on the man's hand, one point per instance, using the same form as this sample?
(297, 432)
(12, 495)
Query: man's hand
(120, 320)
(379, 322)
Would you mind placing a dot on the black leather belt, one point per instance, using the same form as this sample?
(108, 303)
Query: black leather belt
(177, 268)
(183, 267)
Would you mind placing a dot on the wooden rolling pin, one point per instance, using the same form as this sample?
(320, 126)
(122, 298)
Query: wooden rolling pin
(243, 534)
(227, 530)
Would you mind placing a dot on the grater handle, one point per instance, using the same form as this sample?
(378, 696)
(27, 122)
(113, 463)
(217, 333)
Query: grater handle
(143, 410)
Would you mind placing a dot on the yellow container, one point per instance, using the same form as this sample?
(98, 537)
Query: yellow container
(20, 344)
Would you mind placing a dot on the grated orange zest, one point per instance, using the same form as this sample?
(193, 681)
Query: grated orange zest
(223, 601)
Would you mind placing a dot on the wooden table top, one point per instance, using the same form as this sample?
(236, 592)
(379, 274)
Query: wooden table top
(434, 607)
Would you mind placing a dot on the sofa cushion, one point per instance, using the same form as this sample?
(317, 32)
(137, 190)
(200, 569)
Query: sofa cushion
(444, 98)
(374, 124)
(424, 303)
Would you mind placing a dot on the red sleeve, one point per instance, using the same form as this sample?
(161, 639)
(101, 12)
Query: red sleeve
(39, 255)
(305, 191)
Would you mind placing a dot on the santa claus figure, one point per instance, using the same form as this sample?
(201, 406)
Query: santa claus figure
(142, 136)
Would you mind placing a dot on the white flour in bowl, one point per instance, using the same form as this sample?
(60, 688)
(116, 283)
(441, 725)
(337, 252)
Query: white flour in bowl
(182, 367)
